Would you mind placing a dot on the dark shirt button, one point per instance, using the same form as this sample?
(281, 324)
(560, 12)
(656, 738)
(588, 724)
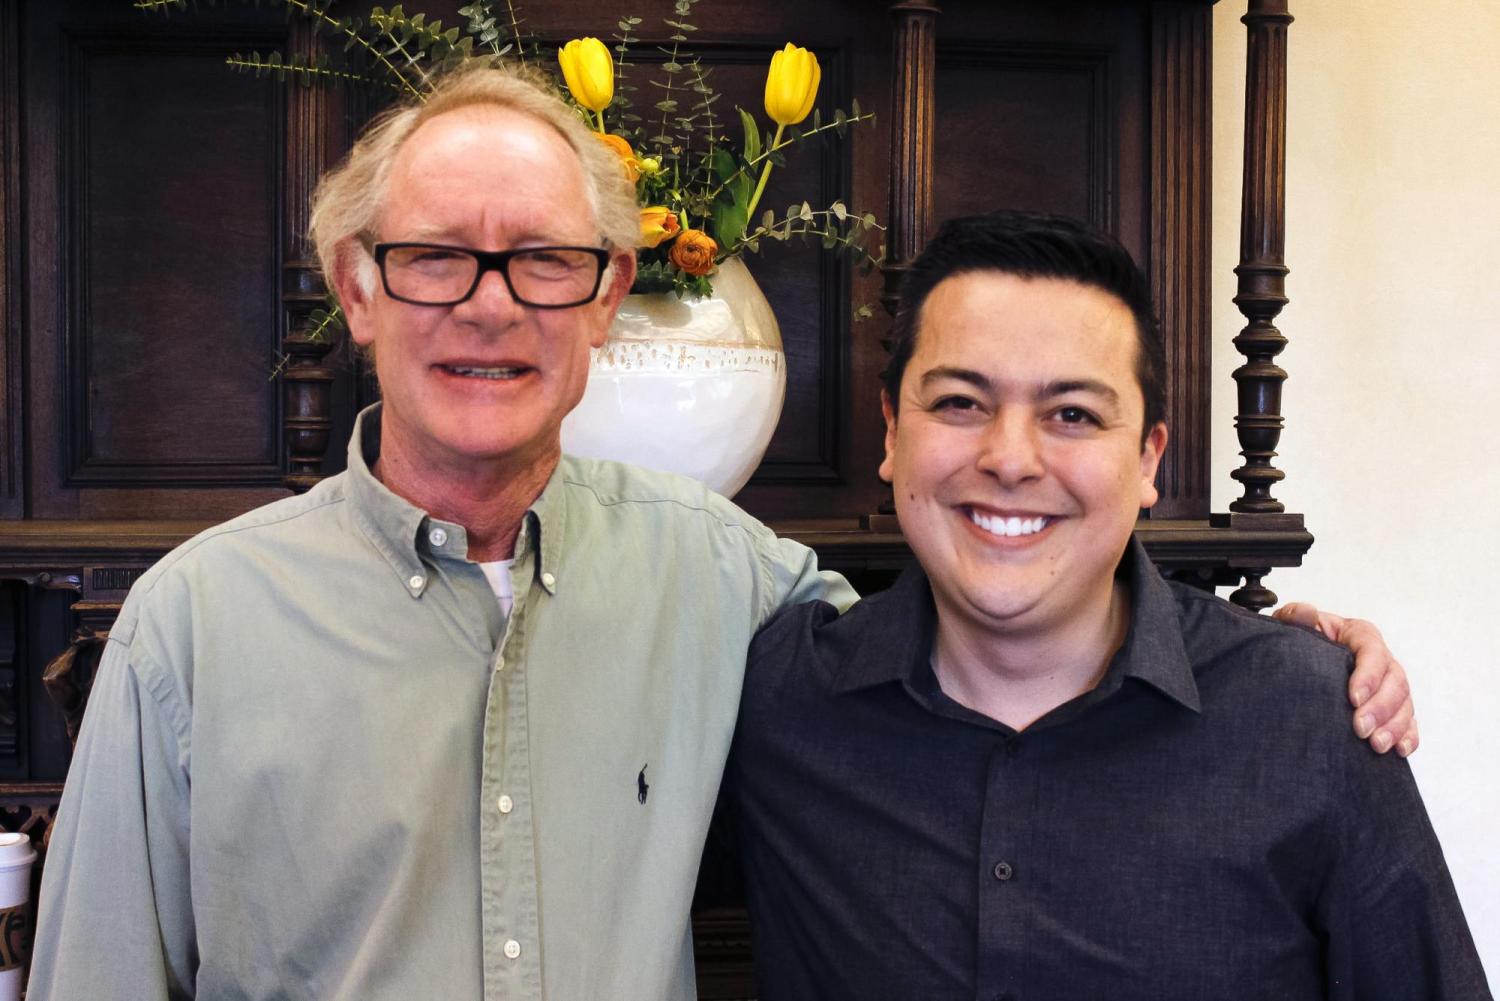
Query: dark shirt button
(1013, 746)
(1003, 871)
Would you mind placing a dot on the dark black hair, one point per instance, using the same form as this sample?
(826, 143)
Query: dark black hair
(1032, 245)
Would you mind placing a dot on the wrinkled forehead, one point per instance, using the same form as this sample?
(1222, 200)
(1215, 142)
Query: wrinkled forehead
(480, 165)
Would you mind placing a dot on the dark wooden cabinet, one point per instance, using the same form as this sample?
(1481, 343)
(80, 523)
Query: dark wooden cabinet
(153, 206)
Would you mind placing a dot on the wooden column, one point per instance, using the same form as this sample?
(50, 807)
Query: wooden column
(1262, 270)
(306, 380)
(913, 108)
(1262, 285)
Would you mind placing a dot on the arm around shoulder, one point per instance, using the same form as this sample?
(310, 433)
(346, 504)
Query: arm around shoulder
(115, 919)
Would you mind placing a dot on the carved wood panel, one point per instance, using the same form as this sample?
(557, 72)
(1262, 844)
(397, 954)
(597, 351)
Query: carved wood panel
(152, 302)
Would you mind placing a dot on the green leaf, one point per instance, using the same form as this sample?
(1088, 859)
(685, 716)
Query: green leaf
(839, 212)
(722, 162)
(752, 134)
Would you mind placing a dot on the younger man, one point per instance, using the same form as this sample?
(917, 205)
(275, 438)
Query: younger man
(1034, 769)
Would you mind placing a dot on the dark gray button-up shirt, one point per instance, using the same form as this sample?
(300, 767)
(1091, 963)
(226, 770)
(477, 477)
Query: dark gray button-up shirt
(1202, 825)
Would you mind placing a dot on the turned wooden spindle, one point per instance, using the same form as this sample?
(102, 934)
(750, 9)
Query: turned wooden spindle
(1262, 269)
(1261, 294)
(307, 415)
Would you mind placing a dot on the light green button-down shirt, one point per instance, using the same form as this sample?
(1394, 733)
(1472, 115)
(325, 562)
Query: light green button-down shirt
(318, 762)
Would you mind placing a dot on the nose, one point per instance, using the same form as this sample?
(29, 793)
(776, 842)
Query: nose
(491, 303)
(1011, 448)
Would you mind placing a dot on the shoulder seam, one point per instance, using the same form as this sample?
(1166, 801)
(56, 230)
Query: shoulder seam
(224, 529)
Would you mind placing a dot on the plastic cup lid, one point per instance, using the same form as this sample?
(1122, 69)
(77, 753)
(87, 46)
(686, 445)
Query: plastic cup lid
(15, 850)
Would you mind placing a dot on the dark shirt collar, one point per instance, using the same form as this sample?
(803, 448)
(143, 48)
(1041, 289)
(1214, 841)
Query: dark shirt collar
(899, 627)
(404, 534)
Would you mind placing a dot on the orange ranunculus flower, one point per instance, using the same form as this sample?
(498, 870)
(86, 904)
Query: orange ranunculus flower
(622, 148)
(658, 224)
(694, 252)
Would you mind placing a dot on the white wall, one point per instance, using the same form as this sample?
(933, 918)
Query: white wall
(1392, 443)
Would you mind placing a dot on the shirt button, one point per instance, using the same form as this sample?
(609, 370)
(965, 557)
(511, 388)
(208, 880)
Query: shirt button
(416, 582)
(437, 536)
(512, 949)
(1003, 871)
(1013, 748)
(506, 805)
(548, 580)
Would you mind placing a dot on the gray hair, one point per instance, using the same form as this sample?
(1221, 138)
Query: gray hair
(351, 197)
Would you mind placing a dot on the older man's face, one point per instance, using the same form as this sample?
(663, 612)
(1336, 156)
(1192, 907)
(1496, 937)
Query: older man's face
(488, 380)
(1016, 456)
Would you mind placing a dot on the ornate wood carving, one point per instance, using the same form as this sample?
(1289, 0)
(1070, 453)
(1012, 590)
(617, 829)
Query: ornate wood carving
(1180, 244)
(31, 809)
(70, 676)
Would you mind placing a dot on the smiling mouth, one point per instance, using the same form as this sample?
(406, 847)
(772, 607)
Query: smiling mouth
(1011, 527)
(496, 374)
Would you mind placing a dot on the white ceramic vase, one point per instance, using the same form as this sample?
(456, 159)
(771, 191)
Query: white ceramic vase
(690, 386)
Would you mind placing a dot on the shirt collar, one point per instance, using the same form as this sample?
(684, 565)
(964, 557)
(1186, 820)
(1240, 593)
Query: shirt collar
(410, 539)
(898, 629)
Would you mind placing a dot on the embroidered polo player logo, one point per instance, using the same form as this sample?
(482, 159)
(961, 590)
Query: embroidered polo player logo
(641, 788)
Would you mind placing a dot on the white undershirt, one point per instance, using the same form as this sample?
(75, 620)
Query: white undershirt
(497, 572)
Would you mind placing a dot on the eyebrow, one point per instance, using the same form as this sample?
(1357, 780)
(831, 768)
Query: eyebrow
(1047, 391)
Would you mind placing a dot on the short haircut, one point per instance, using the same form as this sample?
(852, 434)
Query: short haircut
(1032, 245)
(351, 197)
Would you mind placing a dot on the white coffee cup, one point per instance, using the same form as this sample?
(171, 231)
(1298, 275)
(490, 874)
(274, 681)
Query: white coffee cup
(16, 856)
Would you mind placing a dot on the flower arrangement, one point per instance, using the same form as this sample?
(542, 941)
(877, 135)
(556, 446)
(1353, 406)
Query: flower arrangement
(698, 188)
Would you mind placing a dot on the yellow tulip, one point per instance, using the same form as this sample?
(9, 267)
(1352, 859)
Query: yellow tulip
(791, 85)
(658, 224)
(590, 74)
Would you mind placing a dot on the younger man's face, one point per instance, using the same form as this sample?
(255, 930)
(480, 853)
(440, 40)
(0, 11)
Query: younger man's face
(1016, 454)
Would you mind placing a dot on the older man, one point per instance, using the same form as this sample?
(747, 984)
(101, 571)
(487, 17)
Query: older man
(1033, 769)
(452, 724)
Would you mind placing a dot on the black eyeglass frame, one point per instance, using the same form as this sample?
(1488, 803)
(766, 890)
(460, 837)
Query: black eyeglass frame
(490, 260)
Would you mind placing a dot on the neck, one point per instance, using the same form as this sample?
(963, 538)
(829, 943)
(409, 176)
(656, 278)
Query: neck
(489, 499)
(1016, 678)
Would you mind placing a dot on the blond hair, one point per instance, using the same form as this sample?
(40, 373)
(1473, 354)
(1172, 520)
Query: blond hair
(350, 198)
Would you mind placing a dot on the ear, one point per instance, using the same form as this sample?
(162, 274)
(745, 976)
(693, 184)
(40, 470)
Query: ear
(353, 298)
(622, 276)
(1151, 453)
(887, 469)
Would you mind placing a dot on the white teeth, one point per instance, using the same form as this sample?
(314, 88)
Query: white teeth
(484, 373)
(1008, 527)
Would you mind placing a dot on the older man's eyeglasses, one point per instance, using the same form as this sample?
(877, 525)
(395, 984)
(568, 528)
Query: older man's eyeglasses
(432, 274)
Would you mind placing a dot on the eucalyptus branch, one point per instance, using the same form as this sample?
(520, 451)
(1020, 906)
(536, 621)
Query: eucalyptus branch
(341, 25)
(304, 73)
(750, 163)
(515, 31)
(836, 227)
